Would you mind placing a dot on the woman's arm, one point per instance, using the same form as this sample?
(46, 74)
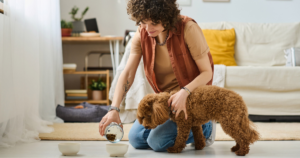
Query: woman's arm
(126, 79)
(127, 76)
(178, 100)
(123, 85)
(199, 49)
(205, 76)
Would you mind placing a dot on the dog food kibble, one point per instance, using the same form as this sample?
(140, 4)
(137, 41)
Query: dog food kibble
(111, 137)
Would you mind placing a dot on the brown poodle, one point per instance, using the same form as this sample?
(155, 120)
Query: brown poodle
(203, 104)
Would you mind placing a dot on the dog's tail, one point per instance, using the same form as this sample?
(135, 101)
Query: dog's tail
(250, 129)
(254, 135)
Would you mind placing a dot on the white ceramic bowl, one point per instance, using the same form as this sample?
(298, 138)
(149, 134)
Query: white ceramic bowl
(68, 149)
(116, 150)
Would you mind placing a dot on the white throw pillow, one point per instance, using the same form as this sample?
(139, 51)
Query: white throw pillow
(292, 56)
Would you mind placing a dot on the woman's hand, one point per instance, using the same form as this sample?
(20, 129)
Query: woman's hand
(111, 116)
(178, 102)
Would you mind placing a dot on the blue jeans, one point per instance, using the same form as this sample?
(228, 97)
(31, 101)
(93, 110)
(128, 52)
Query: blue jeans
(162, 137)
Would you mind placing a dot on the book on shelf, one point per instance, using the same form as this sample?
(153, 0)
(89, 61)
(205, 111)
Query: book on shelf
(76, 91)
(76, 98)
(77, 94)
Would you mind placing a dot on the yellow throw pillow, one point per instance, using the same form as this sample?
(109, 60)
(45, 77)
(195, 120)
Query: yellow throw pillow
(221, 44)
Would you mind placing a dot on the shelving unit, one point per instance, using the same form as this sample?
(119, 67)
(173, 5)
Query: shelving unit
(114, 49)
(106, 101)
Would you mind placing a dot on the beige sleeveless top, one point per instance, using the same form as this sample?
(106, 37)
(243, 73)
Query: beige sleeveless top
(165, 77)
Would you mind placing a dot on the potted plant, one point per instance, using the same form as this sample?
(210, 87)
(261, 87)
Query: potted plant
(78, 25)
(97, 88)
(66, 28)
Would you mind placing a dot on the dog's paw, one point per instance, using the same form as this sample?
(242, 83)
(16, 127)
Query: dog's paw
(199, 147)
(241, 153)
(235, 148)
(174, 150)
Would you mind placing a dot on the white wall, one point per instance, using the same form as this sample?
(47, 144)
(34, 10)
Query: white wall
(258, 11)
(112, 16)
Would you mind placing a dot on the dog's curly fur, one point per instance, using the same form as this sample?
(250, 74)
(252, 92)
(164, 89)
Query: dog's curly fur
(205, 103)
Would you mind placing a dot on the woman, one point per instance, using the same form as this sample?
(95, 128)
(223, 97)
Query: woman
(176, 57)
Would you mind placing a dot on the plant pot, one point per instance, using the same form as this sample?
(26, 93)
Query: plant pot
(97, 95)
(66, 32)
(78, 26)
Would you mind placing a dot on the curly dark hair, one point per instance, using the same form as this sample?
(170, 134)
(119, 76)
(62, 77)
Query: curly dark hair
(165, 12)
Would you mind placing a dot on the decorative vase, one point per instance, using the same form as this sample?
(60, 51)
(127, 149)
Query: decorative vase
(78, 26)
(97, 95)
(66, 32)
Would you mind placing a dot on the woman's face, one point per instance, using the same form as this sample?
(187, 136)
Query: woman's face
(152, 28)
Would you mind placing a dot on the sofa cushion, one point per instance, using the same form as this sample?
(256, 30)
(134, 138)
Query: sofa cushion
(266, 90)
(221, 44)
(260, 44)
(278, 78)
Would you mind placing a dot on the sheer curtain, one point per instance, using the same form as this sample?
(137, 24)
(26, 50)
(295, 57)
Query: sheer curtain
(31, 78)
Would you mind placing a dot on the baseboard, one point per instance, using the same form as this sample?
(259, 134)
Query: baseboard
(274, 118)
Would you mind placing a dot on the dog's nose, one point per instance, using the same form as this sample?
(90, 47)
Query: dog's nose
(147, 127)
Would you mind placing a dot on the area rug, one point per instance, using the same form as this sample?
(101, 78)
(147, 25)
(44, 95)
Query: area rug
(89, 131)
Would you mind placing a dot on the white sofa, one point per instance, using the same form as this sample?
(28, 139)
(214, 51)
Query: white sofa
(261, 77)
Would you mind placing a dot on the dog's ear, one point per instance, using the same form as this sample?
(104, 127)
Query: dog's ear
(139, 117)
(160, 113)
(145, 107)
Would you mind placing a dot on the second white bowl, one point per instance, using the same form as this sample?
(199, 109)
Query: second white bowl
(68, 149)
(117, 150)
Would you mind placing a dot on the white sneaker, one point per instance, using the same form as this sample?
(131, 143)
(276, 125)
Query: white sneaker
(211, 139)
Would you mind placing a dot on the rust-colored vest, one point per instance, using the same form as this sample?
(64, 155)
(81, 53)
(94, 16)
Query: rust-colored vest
(184, 66)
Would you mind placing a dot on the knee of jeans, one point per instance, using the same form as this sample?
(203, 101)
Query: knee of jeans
(134, 140)
(155, 145)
